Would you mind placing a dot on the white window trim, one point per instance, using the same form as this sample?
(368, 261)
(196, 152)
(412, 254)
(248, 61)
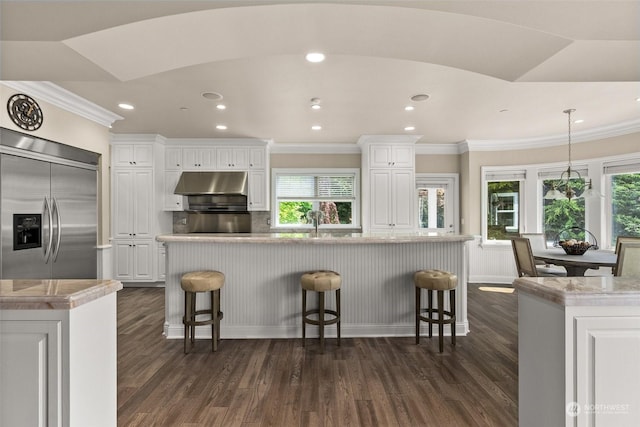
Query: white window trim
(355, 213)
(452, 197)
(502, 173)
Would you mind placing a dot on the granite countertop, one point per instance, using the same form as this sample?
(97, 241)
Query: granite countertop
(313, 238)
(62, 294)
(583, 291)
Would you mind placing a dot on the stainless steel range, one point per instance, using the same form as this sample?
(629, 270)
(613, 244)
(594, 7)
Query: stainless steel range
(216, 201)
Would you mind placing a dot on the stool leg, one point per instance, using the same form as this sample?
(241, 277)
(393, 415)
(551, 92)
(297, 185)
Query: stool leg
(452, 304)
(440, 318)
(186, 318)
(417, 315)
(430, 305)
(304, 311)
(338, 310)
(194, 297)
(214, 316)
(218, 312)
(321, 319)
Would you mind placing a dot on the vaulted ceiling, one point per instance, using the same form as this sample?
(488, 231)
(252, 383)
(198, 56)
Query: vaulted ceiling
(492, 70)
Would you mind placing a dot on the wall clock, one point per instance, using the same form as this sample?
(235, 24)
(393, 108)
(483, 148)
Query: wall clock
(25, 112)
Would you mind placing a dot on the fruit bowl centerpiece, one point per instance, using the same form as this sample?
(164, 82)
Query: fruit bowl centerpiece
(574, 247)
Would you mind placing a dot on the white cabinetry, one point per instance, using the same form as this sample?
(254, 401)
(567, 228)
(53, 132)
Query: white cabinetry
(59, 367)
(133, 203)
(389, 196)
(231, 158)
(134, 217)
(257, 190)
(583, 370)
(257, 158)
(392, 194)
(132, 155)
(198, 158)
(172, 202)
(173, 158)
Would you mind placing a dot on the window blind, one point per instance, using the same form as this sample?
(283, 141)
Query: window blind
(315, 187)
(505, 175)
(628, 166)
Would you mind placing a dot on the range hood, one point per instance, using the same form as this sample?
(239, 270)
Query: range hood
(212, 183)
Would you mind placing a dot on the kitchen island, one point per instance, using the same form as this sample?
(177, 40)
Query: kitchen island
(58, 354)
(262, 299)
(579, 351)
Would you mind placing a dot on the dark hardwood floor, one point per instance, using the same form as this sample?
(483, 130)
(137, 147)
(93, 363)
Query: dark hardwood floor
(365, 382)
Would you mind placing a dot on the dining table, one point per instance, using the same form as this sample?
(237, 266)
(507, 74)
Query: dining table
(576, 265)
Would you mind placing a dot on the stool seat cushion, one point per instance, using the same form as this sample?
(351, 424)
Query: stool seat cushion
(202, 281)
(437, 280)
(321, 281)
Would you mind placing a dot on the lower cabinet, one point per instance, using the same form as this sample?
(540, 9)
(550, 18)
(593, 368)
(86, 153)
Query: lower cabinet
(578, 365)
(133, 260)
(59, 367)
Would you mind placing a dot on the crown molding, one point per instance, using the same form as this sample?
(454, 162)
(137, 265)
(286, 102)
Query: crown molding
(136, 138)
(388, 139)
(602, 132)
(68, 101)
(315, 149)
(220, 141)
(437, 149)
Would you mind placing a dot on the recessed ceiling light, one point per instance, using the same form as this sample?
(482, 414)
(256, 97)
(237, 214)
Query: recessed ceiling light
(221, 107)
(315, 103)
(213, 96)
(579, 121)
(316, 107)
(316, 127)
(125, 106)
(184, 108)
(315, 57)
(221, 127)
(420, 97)
(504, 110)
(638, 99)
(409, 108)
(410, 128)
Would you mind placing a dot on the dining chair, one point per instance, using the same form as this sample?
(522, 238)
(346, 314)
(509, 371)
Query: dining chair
(538, 242)
(526, 264)
(619, 241)
(628, 261)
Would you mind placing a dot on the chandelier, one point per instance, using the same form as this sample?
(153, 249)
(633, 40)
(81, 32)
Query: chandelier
(556, 192)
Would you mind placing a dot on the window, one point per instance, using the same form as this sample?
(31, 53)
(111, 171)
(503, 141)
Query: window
(559, 215)
(332, 192)
(503, 204)
(623, 188)
(437, 202)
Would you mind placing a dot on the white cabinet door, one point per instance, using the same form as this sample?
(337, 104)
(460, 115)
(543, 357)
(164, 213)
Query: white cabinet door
(231, 158)
(32, 379)
(402, 198)
(143, 254)
(198, 158)
(123, 259)
(172, 202)
(607, 351)
(173, 158)
(392, 193)
(132, 155)
(381, 213)
(257, 190)
(162, 262)
(257, 158)
(132, 203)
(123, 182)
(395, 156)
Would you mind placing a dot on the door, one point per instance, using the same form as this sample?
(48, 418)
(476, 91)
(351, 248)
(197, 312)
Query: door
(25, 189)
(437, 202)
(74, 199)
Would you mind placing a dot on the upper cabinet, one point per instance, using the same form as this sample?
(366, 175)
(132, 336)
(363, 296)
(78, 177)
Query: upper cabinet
(132, 155)
(198, 158)
(233, 158)
(173, 158)
(391, 156)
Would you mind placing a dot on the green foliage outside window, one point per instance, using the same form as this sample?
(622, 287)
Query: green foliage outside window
(625, 196)
(295, 213)
(500, 224)
(561, 215)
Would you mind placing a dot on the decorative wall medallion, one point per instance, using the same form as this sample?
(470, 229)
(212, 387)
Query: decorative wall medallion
(25, 112)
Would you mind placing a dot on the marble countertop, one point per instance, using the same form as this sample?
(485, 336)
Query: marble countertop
(313, 238)
(583, 291)
(62, 294)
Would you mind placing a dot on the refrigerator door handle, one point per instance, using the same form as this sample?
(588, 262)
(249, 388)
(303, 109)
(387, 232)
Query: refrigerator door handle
(58, 229)
(47, 249)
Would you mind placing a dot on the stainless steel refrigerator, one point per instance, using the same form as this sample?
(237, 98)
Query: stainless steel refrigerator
(48, 206)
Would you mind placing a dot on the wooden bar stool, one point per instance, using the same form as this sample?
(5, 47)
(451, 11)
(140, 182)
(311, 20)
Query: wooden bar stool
(440, 281)
(320, 281)
(192, 283)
